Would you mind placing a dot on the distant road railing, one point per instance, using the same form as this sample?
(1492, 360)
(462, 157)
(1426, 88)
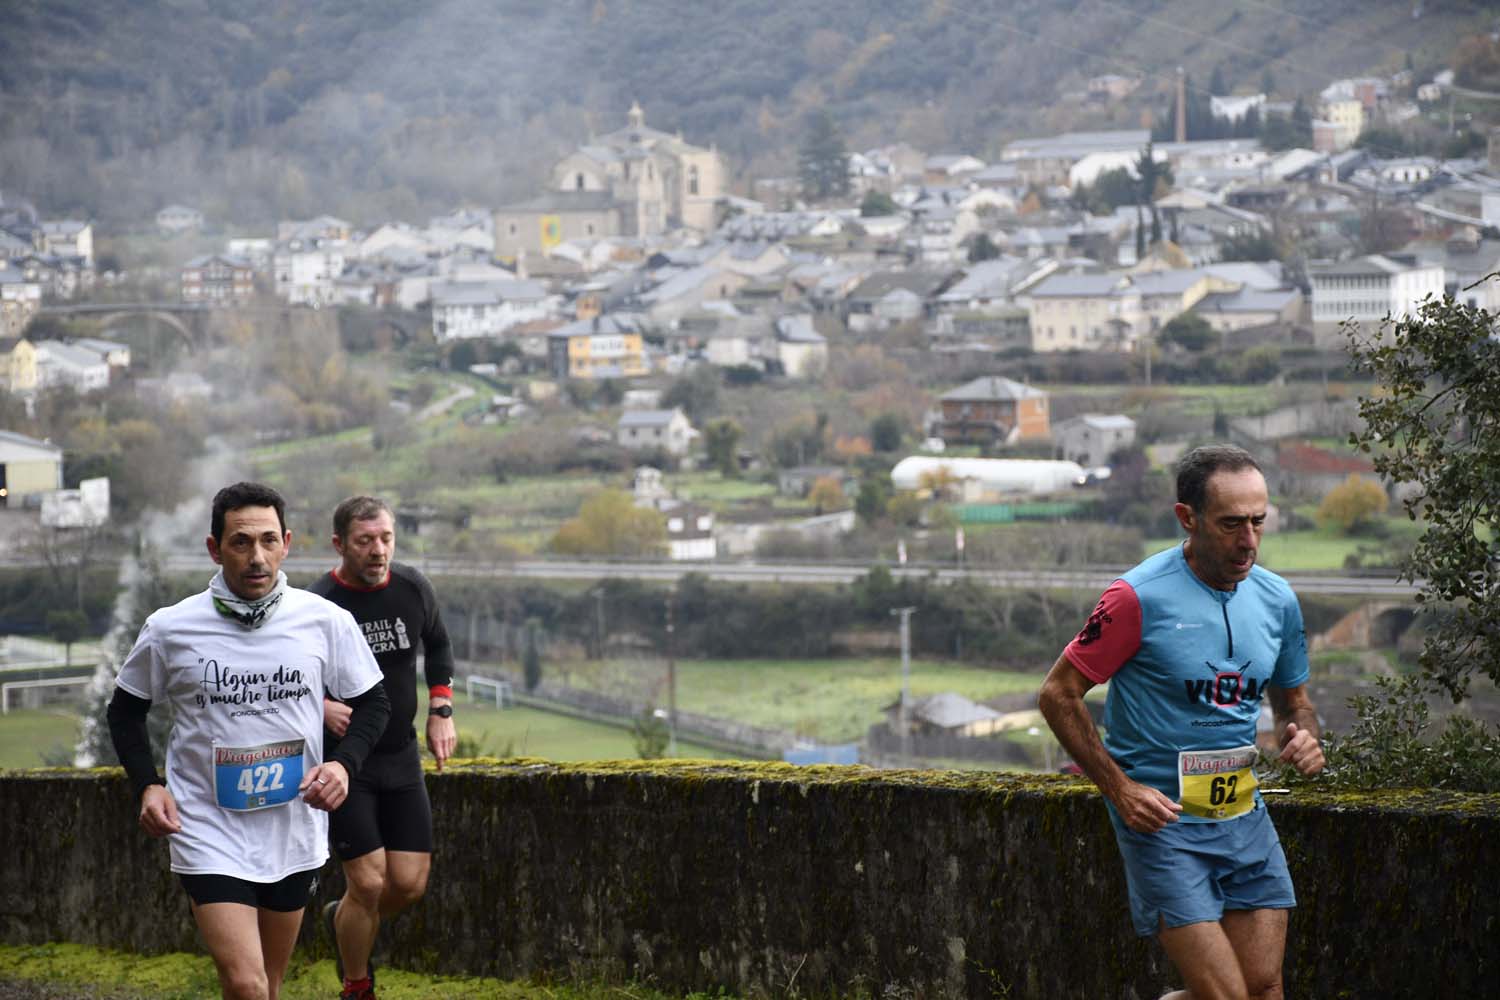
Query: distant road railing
(753, 571)
(1025, 578)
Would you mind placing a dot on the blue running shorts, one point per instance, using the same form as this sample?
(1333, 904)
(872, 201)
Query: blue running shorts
(1187, 873)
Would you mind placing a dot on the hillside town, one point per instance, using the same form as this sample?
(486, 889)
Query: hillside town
(638, 262)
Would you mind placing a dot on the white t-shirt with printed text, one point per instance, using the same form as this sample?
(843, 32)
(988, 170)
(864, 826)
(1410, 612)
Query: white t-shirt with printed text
(244, 702)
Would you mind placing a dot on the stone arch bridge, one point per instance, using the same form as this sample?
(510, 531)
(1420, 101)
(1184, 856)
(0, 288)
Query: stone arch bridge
(1372, 625)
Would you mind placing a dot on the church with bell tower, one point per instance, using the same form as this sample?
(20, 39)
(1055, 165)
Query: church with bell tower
(635, 181)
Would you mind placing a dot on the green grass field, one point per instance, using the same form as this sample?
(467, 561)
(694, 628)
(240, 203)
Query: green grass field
(28, 738)
(831, 701)
(71, 970)
(530, 732)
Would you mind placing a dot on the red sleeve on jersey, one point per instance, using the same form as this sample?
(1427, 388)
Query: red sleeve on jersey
(1112, 635)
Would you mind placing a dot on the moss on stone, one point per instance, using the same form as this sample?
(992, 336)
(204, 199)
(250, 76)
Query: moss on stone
(695, 873)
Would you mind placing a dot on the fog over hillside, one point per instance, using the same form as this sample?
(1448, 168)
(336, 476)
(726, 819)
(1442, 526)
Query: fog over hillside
(110, 108)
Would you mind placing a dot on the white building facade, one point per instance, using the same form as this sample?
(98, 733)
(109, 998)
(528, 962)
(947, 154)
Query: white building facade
(1368, 289)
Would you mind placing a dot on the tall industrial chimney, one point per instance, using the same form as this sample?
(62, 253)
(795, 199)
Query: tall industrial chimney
(1181, 105)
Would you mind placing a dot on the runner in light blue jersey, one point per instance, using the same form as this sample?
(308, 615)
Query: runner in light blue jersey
(1203, 659)
(1191, 641)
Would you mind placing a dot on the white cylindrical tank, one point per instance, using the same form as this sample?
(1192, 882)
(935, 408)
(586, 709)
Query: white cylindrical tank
(1000, 475)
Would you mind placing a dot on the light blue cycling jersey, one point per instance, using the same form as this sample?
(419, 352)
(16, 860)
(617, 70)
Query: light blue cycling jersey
(1192, 675)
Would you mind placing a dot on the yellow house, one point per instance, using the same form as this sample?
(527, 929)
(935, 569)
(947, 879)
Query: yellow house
(1110, 312)
(27, 467)
(601, 347)
(1348, 119)
(18, 364)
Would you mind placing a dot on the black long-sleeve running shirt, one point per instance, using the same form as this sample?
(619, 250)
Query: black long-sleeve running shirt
(393, 617)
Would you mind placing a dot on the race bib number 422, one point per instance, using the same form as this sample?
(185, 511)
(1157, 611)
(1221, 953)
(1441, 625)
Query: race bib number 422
(1217, 784)
(259, 777)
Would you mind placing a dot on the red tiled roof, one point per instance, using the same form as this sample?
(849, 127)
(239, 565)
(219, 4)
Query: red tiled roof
(1308, 459)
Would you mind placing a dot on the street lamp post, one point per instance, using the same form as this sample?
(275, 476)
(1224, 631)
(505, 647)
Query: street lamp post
(905, 712)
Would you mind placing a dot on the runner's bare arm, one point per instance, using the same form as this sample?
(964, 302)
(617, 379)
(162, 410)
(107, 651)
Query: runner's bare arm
(1297, 728)
(1144, 809)
(158, 816)
(442, 733)
(325, 786)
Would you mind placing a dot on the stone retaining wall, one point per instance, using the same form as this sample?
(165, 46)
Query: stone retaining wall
(769, 879)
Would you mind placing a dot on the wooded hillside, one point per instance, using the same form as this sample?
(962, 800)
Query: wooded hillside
(381, 108)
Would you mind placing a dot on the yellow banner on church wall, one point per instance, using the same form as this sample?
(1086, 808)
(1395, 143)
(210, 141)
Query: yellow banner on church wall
(551, 231)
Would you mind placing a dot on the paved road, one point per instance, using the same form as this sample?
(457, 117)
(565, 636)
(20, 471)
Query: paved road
(824, 573)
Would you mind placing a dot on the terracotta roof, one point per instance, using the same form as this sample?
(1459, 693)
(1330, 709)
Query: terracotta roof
(1308, 459)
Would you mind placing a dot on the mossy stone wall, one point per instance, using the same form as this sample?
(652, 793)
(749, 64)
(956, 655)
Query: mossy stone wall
(768, 879)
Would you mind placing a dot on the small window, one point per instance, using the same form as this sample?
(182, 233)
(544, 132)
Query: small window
(578, 182)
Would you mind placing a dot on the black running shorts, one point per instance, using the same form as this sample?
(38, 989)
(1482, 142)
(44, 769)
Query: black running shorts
(387, 807)
(291, 893)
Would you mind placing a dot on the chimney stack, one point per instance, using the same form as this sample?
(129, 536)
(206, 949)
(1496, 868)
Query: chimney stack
(1181, 105)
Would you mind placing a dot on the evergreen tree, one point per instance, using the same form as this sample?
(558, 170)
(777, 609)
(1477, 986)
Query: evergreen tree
(531, 656)
(876, 203)
(981, 248)
(886, 432)
(720, 439)
(1150, 174)
(823, 160)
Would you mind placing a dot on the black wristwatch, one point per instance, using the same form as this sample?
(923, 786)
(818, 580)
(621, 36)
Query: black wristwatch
(441, 711)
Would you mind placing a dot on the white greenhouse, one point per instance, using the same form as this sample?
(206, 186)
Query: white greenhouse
(993, 475)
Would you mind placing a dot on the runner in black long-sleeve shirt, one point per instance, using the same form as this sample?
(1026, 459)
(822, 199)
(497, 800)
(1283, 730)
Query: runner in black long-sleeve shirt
(383, 833)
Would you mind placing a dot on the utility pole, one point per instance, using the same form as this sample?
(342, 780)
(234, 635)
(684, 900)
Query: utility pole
(671, 670)
(905, 713)
(599, 622)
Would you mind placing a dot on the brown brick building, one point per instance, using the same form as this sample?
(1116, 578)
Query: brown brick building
(993, 410)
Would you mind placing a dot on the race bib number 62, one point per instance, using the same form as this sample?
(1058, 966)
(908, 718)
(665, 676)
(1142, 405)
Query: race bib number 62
(1217, 784)
(258, 777)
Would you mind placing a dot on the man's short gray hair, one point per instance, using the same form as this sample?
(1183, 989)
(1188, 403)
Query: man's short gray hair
(358, 509)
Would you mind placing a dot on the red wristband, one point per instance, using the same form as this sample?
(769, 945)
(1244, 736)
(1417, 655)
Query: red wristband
(440, 691)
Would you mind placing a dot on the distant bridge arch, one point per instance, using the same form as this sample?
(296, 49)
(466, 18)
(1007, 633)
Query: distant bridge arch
(183, 330)
(108, 313)
(1372, 625)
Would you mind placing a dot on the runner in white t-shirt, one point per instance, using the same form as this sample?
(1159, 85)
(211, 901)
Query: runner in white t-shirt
(246, 799)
